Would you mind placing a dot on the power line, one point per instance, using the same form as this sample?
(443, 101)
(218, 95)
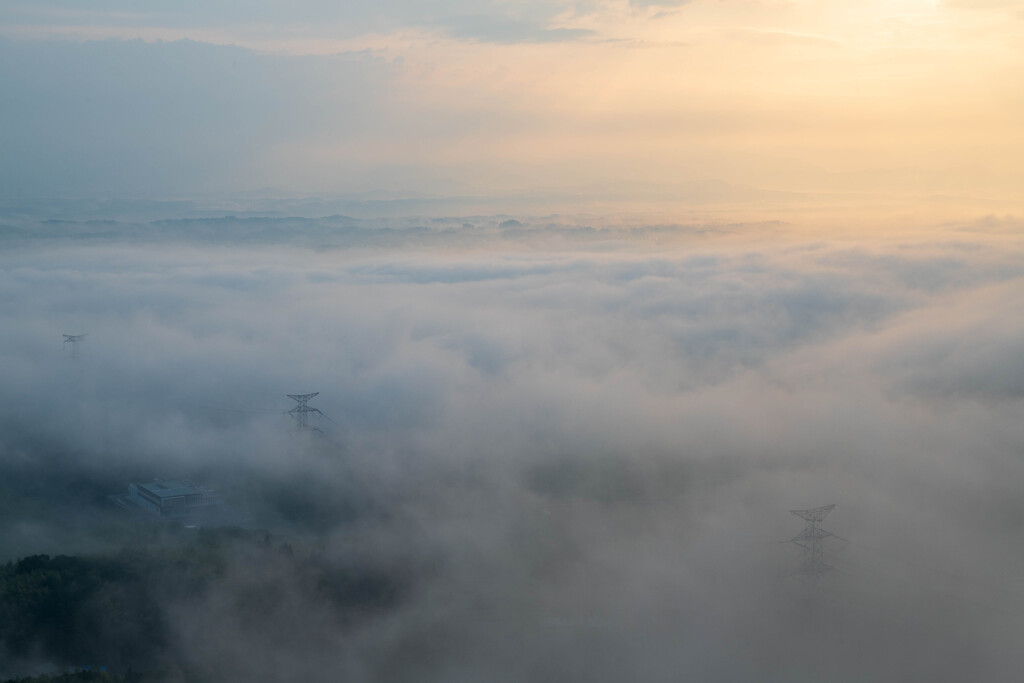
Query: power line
(246, 410)
(328, 418)
(989, 584)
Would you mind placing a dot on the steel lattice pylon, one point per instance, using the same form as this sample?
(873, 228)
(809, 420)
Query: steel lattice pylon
(813, 565)
(301, 411)
(73, 339)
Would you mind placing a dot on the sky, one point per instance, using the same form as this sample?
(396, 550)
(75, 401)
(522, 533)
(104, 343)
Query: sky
(866, 102)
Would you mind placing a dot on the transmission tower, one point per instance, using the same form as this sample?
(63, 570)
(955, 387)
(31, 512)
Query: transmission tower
(301, 411)
(813, 565)
(73, 339)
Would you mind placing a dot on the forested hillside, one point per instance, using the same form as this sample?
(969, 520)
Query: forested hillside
(126, 612)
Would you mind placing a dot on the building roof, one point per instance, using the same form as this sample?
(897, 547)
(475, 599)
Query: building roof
(170, 489)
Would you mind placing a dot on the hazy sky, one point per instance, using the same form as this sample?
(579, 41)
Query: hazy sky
(910, 98)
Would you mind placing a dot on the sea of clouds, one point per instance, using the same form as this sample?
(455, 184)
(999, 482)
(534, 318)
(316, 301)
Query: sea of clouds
(591, 433)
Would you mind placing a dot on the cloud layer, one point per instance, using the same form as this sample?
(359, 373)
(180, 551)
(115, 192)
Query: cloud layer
(592, 435)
